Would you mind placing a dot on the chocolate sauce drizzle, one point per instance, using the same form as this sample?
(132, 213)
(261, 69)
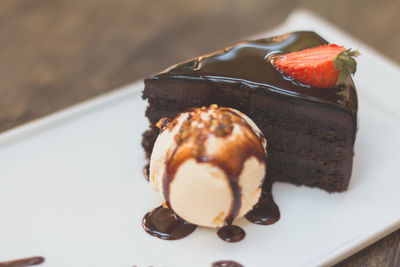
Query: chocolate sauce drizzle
(23, 262)
(230, 158)
(165, 224)
(266, 211)
(231, 233)
(226, 264)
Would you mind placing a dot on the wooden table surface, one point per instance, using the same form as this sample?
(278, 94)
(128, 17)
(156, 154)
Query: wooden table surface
(55, 53)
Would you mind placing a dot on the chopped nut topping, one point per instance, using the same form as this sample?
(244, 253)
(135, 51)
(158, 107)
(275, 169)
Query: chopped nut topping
(202, 122)
(162, 123)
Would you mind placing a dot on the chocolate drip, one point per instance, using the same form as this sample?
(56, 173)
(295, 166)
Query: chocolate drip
(146, 171)
(231, 233)
(226, 264)
(165, 224)
(23, 262)
(265, 211)
(236, 202)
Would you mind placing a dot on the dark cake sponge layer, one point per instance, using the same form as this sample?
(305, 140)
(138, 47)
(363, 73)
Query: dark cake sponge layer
(293, 155)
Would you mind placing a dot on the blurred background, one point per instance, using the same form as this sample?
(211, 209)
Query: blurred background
(55, 53)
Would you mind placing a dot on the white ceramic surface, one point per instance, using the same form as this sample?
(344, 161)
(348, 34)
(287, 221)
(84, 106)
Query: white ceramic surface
(72, 189)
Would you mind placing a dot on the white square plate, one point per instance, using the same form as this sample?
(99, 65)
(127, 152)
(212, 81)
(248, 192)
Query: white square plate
(72, 189)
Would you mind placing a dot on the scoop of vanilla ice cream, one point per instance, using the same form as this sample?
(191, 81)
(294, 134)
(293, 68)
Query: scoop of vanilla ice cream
(209, 165)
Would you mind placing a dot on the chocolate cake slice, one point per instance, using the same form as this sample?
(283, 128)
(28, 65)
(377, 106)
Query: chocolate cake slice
(310, 131)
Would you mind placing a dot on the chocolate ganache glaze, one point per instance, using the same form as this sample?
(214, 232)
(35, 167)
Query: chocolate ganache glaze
(246, 65)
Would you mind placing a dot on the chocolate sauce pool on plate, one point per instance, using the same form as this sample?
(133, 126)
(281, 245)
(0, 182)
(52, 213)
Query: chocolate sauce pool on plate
(226, 264)
(231, 233)
(23, 262)
(165, 224)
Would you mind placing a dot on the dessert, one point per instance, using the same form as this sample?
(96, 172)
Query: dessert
(209, 165)
(310, 130)
(296, 88)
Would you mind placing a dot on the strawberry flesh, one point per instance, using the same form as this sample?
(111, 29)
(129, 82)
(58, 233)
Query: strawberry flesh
(318, 66)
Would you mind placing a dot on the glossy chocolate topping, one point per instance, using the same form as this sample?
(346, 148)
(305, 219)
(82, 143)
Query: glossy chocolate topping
(246, 65)
(23, 262)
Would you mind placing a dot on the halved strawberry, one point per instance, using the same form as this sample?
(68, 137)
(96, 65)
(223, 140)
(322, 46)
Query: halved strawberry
(322, 66)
